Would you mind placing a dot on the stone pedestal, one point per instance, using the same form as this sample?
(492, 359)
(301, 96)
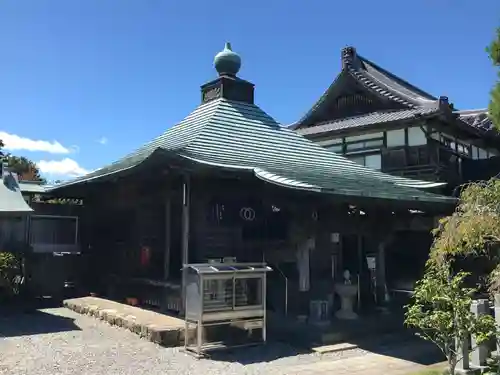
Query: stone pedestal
(347, 294)
(479, 353)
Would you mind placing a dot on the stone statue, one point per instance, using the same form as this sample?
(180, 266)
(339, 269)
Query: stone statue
(347, 277)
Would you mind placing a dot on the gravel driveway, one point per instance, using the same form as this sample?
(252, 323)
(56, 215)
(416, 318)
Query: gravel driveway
(61, 342)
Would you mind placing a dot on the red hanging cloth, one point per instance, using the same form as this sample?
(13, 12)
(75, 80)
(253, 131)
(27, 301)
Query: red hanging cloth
(145, 256)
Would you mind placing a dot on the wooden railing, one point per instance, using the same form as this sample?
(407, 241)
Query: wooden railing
(428, 172)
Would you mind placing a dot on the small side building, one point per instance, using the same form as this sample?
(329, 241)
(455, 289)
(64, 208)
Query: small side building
(52, 234)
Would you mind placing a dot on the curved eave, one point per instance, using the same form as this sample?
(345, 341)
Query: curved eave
(300, 185)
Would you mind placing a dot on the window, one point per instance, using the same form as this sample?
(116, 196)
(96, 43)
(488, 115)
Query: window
(463, 149)
(416, 137)
(339, 148)
(363, 145)
(373, 161)
(396, 138)
(482, 154)
(455, 145)
(475, 152)
(364, 137)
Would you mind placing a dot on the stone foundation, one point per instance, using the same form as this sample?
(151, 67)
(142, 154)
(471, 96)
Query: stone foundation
(158, 328)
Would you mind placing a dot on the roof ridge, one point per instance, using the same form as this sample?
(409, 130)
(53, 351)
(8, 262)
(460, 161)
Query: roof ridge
(471, 111)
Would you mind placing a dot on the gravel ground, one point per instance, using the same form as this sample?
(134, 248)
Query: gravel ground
(61, 342)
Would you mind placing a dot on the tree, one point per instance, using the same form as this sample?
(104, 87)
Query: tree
(25, 168)
(9, 268)
(440, 309)
(494, 106)
(473, 230)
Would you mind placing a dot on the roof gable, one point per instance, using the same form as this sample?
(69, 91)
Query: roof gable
(375, 80)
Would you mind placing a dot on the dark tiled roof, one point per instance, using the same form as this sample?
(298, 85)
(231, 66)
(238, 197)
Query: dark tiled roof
(477, 118)
(385, 83)
(241, 137)
(377, 80)
(381, 117)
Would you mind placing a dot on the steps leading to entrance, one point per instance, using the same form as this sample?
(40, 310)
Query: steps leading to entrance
(309, 335)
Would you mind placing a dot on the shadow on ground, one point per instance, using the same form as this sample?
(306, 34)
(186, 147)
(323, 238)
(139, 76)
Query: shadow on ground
(257, 354)
(33, 322)
(369, 335)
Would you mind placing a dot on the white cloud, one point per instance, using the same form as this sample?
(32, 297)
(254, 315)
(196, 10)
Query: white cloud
(14, 142)
(65, 167)
(102, 140)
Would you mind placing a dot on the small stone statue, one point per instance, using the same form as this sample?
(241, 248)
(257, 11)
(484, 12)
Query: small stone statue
(347, 277)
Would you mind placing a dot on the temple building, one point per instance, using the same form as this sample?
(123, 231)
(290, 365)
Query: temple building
(230, 182)
(378, 120)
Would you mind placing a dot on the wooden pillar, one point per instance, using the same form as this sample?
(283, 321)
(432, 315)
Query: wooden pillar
(360, 268)
(166, 260)
(380, 273)
(186, 192)
(186, 195)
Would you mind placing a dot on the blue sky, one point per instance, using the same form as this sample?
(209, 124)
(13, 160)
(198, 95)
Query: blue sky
(83, 82)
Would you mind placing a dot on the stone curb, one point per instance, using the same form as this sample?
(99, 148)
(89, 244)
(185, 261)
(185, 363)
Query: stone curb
(165, 336)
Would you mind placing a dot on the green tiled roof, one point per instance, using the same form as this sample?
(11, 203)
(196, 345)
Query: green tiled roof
(241, 136)
(11, 198)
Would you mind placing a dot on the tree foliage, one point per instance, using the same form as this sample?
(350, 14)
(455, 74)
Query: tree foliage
(494, 106)
(474, 226)
(473, 230)
(26, 169)
(441, 311)
(9, 268)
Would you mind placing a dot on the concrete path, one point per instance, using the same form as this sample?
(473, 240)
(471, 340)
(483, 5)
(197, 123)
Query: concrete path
(369, 364)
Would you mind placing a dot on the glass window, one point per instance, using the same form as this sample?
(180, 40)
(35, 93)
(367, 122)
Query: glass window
(475, 152)
(416, 136)
(359, 138)
(335, 148)
(396, 138)
(369, 144)
(482, 154)
(373, 161)
(357, 159)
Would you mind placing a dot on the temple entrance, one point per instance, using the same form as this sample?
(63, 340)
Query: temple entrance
(358, 258)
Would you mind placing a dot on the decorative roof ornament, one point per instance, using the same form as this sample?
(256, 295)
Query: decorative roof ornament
(227, 62)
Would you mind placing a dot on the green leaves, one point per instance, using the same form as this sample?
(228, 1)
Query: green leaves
(494, 106)
(9, 267)
(440, 309)
(25, 168)
(473, 228)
